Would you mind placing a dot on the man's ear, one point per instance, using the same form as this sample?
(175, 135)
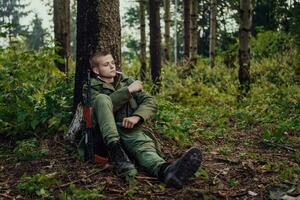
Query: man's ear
(95, 70)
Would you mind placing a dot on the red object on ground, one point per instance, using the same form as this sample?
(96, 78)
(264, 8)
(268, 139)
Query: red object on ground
(101, 160)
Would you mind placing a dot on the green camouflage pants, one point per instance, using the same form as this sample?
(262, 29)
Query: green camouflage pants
(135, 141)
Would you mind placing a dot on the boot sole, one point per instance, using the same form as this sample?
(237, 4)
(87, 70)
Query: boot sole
(185, 168)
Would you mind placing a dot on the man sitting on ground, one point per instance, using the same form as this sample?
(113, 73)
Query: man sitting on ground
(120, 106)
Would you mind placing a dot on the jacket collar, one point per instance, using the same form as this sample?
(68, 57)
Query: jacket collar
(116, 84)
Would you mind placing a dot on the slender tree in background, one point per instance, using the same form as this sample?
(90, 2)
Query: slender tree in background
(11, 11)
(167, 20)
(213, 32)
(270, 15)
(98, 28)
(131, 20)
(73, 13)
(194, 32)
(155, 39)
(61, 17)
(187, 4)
(244, 51)
(35, 38)
(203, 36)
(175, 32)
(143, 40)
(294, 24)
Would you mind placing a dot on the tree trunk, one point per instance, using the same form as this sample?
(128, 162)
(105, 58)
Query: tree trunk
(61, 18)
(98, 28)
(213, 32)
(175, 32)
(155, 38)
(194, 32)
(187, 28)
(143, 41)
(244, 37)
(167, 30)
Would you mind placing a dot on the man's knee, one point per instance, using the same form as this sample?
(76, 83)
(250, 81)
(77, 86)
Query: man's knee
(103, 100)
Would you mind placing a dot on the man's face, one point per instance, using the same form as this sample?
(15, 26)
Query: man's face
(106, 66)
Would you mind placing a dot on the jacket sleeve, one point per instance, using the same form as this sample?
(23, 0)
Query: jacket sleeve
(118, 97)
(147, 105)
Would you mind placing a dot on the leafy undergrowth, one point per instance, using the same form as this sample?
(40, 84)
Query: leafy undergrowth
(250, 143)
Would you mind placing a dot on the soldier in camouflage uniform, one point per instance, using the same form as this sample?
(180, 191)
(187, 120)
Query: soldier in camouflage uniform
(120, 106)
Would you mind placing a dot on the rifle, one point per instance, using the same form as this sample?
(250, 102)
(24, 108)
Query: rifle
(88, 134)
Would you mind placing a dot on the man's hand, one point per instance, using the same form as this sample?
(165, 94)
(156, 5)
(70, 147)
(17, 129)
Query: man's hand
(129, 122)
(135, 86)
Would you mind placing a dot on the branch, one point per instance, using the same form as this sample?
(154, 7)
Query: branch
(269, 143)
(78, 180)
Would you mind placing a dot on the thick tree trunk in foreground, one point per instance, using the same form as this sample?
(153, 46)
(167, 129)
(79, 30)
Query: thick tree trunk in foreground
(98, 28)
(143, 41)
(167, 30)
(244, 37)
(213, 32)
(62, 26)
(155, 39)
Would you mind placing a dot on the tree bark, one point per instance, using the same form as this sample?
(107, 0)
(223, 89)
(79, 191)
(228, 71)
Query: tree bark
(187, 28)
(244, 50)
(194, 32)
(62, 33)
(155, 39)
(167, 30)
(98, 28)
(213, 32)
(175, 34)
(143, 41)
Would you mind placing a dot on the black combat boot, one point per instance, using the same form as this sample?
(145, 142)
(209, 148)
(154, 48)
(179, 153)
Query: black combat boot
(123, 166)
(177, 173)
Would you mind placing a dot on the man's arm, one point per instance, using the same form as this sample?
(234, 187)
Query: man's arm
(120, 97)
(147, 105)
(146, 108)
(124, 94)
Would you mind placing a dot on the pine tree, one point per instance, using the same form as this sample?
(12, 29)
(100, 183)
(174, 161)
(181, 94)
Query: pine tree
(213, 32)
(11, 11)
(61, 18)
(167, 47)
(143, 40)
(187, 28)
(244, 51)
(98, 28)
(36, 37)
(155, 40)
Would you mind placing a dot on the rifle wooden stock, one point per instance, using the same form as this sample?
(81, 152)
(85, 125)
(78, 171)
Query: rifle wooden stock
(88, 133)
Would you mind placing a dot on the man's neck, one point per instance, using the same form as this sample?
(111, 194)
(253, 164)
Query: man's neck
(107, 80)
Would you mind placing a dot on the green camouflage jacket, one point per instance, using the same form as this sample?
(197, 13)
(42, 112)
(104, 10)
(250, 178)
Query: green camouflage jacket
(124, 103)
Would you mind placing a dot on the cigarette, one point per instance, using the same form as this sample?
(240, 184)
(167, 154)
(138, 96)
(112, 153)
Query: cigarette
(118, 72)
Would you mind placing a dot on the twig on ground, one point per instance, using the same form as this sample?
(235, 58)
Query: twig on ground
(240, 194)
(234, 162)
(9, 197)
(269, 143)
(146, 178)
(115, 190)
(78, 180)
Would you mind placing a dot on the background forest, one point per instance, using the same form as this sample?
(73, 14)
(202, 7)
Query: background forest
(226, 76)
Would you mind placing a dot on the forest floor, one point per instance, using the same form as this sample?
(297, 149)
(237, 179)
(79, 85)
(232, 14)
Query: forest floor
(237, 167)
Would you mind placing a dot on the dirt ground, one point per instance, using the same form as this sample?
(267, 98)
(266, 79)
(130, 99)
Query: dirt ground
(235, 167)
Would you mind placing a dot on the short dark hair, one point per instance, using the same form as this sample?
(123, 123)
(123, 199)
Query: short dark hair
(93, 61)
